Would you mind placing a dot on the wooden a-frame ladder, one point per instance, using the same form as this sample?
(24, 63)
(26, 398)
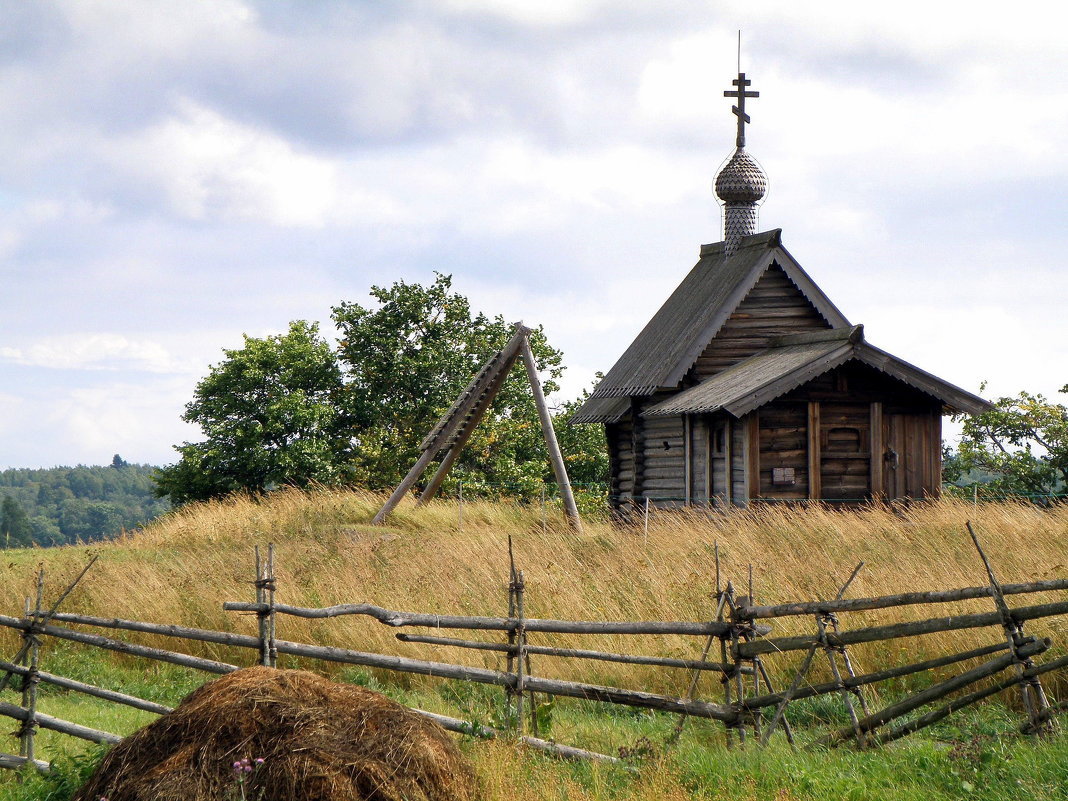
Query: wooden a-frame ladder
(456, 426)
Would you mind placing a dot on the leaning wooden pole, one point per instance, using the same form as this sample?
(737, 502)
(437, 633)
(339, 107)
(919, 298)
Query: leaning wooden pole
(1031, 692)
(556, 458)
(406, 484)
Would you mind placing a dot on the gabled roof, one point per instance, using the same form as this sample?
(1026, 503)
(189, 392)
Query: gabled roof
(795, 360)
(671, 342)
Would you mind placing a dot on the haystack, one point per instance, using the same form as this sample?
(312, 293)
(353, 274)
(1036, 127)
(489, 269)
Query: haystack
(318, 741)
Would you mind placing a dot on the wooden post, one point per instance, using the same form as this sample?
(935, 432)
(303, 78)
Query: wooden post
(1031, 691)
(780, 710)
(272, 650)
(752, 456)
(520, 661)
(709, 464)
(555, 457)
(406, 484)
(815, 464)
(261, 614)
(43, 619)
(848, 663)
(721, 600)
(687, 455)
(821, 626)
(513, 582)
(728, 460)
(467, 428)
(32, 678)
(878, 448)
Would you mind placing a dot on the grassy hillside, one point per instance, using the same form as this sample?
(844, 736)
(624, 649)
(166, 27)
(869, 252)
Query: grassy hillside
(185, 565)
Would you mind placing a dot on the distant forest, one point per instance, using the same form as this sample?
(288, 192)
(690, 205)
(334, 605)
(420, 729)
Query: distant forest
(63, 505)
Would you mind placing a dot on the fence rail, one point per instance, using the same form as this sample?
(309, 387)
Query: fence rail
(749, 696)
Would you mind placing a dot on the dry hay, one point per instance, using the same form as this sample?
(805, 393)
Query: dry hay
(319, 741)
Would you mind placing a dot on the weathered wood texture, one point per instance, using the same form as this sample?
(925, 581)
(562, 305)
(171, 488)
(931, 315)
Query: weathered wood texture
(746, 612)
(486, 733)
(398, 663)
(739, 462)
(937, 691)
(89, 689)
(850, 682)
(784, 451)
(392, 617)
(747, 650)
(56, 724)
(207, 665)
(774, 306)
(577, 653)
(12, 762)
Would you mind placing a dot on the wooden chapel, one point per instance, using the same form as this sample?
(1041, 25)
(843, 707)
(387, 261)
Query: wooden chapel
(750, 385)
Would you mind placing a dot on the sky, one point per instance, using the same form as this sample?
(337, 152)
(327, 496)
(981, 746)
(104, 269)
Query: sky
(175, 174)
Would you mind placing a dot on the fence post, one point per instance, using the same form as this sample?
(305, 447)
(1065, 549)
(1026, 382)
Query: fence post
(509, 692)
(270, 582)
(30, 681)
(521, 654)
(261, 612)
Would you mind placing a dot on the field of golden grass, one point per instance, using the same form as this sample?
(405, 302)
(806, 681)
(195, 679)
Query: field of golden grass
(184, 566)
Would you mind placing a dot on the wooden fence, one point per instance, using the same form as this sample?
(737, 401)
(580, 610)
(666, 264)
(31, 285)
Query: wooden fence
(734, 645)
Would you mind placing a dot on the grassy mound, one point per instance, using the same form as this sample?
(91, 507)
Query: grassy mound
(284, 735)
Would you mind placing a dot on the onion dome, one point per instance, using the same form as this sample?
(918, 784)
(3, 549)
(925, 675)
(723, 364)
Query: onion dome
(741, 180)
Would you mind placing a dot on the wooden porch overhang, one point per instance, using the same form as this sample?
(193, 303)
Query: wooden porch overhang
(794, 361)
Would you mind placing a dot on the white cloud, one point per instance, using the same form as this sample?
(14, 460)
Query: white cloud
(138, 420)
(98, 351)
(176, 173)
(211, 167)
(543, 13)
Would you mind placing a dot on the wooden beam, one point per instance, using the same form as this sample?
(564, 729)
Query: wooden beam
(467, 403)
(709, 465)
(746, 612)
(728, 460)
(556, 458)
(878, 447)
(935, 450)
(406, 484)
(468, 428)
(815, 470)
(637, 448)
(687, 455)
(747, 650)
(752, 456)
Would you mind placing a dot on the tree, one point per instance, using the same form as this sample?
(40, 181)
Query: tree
(1022, 442)
(15, 528)
(288, 411)
(273, 415)
(409, 357)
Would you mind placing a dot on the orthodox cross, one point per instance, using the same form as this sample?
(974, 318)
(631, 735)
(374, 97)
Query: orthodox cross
(741, 82)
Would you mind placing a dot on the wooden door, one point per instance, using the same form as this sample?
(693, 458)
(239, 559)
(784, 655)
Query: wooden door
(912, 459)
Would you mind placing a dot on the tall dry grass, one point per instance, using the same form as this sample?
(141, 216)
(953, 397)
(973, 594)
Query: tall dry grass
(183, 567)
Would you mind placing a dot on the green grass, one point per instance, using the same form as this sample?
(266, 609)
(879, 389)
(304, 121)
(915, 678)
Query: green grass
(973, 755)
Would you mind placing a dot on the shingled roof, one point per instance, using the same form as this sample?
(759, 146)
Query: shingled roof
(671, 342)
(762, 378)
